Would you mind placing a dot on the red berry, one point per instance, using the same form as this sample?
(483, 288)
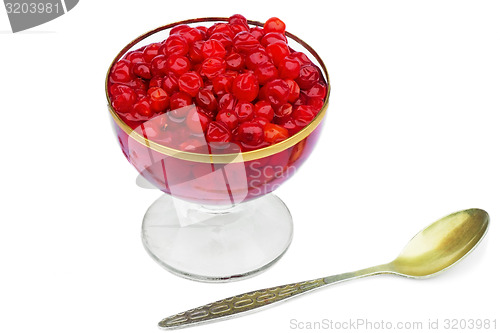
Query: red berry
(158, 99)
(222, 28)
(301, 57)
(238, 19)
(246, 87)
(222, 84)
(222, 38)
(196, 121)
(159, 65)
(195, 51)
(308, 76)
(276, 92)
(123, 98)
(151, 51)
(156, 81)
(284, 110)
(289, 68)
(218, 132)
(245, 42)
(206, 100)
(266, 72)
(213, 48)
(143, 107)
(121, 72)
(227, 101)
(274, 24)
(251, 133)
(176, 44)
(170, 83)
(316, 103)
(272, 37)
(257, 32)
(178, 64)
(254, 59)
(318, 90)
(294, 90)
(264, 109)
(192, 35)
(212, 67)
(142, 70)
(244, 111)
(234, 61)
(274, 133)
(303, 115)
(190, 83)
(228, 118)
(178, 29)
(135, 57)
(277, 51)
(179, 103)
(289, 124)
(261, 121)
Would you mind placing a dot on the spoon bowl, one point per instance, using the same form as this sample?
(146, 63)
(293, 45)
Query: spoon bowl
(431, 251)
(442, 244)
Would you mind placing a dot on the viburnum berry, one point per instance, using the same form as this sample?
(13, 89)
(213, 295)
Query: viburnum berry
(121, 72)
(178, 65)
(274, 133)
(213, 48)
(169, 83)
(135, 57)
(294, 90)
(151, 51)
(308, 76)
(206, 100)
(318, 90)
(227, 101)
(246, 87)
(272, 37)
(142, 70)
(197, 121)
(190, 83)
(211, 67)
(159, 65)
(251, 133)
(159, 100)
(235, 61)
(218, 132)
(178, 104)
(289, 68)
(303, 115)
(274, 24)
(222, 38)
(266, 72)
(256, 58)
(224, 28)
(143, 107)
(244, 111)
(276, 92)
(195, 51)
(264, 109)
(245, 42)
(222, 84)
(228, 118)
(277, 51)
(176, 44)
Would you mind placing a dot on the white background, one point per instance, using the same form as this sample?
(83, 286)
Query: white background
(412, 135)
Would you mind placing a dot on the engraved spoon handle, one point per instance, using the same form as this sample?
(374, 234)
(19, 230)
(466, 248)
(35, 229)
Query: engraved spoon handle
(255, 300)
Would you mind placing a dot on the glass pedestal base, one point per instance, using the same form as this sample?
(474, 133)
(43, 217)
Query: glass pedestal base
(217, 244)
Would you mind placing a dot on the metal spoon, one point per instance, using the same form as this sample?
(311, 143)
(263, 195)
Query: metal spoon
(430, 252)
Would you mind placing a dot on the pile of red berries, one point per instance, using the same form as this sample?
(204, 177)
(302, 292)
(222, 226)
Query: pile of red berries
(226, 83)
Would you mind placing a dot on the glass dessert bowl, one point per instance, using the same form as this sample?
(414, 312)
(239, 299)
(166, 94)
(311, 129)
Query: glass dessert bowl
(218, 220)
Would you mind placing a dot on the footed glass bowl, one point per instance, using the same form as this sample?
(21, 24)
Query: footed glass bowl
(217, 220)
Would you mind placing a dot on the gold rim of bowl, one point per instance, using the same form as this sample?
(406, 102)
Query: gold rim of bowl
(220, 158)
